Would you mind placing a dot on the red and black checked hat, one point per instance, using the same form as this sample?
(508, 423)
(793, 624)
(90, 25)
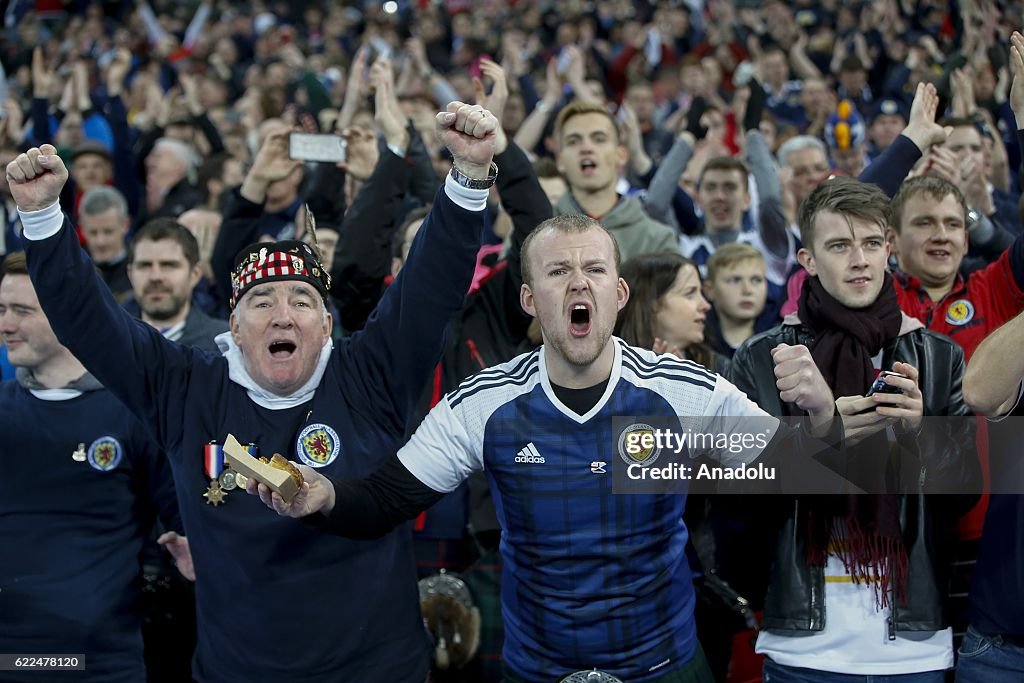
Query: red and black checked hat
(275, 261)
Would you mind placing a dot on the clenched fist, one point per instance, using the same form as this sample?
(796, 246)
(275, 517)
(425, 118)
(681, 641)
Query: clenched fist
(468, 131)
(799, 381)
(36, 178)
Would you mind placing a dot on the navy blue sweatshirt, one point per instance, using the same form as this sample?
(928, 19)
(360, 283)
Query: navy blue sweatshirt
(71, 532)
(275, 600)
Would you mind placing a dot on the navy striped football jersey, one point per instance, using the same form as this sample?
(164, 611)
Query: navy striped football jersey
(590, 579)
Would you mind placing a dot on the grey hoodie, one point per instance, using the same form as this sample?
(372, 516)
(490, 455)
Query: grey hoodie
(83, 384)
(635, 231)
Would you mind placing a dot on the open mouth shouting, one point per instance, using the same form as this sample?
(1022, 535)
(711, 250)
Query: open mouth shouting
(588, 166)
(580, 320)
(282, 349)
(939, 254)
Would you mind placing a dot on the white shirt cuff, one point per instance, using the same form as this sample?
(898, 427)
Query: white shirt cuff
(466, 197)
(398, 151)
(41, 224)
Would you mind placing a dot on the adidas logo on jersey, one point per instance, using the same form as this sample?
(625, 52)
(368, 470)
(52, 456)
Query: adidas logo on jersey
(529, 455)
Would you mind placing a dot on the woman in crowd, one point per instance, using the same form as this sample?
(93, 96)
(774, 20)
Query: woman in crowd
(666, 310)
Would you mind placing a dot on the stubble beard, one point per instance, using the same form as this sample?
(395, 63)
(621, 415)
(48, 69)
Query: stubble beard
(165, 311)
(583, 352)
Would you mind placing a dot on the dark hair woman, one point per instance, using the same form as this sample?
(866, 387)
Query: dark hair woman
(666, 310)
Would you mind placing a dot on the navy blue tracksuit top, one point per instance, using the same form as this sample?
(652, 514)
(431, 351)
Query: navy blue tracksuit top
(71, 531)
(275, 599)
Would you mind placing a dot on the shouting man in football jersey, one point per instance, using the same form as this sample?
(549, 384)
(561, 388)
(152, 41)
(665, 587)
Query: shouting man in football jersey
(590, 579)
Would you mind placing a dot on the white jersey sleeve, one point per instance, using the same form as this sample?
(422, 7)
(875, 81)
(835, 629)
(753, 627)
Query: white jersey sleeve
(717, 418)
(442, 453)
(749, 428)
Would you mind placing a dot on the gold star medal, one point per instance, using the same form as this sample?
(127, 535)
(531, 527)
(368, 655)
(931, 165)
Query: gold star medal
(215, 495)
(213, 463)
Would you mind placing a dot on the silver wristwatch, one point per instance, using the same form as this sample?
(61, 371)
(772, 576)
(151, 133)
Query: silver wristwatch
(973, 218)
(475, 183)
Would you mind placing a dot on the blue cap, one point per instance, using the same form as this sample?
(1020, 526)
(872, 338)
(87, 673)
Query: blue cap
(889, 107)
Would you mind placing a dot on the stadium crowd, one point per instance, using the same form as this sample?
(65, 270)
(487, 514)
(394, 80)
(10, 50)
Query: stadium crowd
(542, 215)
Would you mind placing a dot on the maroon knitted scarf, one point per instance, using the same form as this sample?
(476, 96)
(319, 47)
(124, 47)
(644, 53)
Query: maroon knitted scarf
(862, 530)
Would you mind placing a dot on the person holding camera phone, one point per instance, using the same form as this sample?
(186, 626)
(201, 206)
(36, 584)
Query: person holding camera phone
(856, 588)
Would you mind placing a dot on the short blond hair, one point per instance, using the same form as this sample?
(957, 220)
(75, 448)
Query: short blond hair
(566, 224)
(580, 107)
(729, 255)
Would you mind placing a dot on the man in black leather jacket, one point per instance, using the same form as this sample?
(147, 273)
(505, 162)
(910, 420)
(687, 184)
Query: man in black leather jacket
(826, 552)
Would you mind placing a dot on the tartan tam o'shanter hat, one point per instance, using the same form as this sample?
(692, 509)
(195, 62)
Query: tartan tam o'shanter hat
(275, 261)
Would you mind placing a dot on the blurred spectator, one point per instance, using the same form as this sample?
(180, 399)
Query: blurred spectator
(853, 81)
(804, 161)
(170, 169)
(819, 102)
(784, 95)
(91, 165)
(591, 156)
(656, 141)
(550, 179)
(10, 229)
(888, 119)
(737, 288)
(163, 266)
(667, 311)
(846, 138)
(104, 223)
(971, 174)
(215, 176)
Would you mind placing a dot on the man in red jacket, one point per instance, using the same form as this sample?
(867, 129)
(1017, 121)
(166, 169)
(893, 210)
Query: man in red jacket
(931, 226)
(929, 237)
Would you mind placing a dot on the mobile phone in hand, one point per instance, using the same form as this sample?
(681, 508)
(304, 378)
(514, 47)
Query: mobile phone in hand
(381, 48)
(880, 387)
(564, 61)
(474, 69)
(317, 147)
